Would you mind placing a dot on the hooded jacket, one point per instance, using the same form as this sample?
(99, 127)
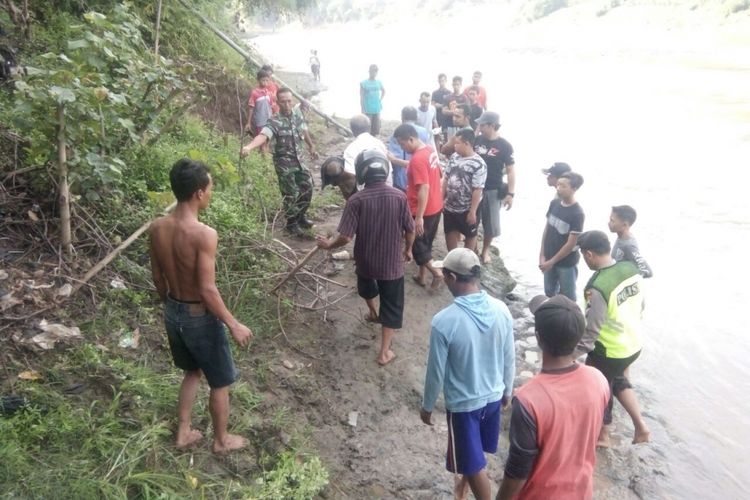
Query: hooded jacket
(472, 354)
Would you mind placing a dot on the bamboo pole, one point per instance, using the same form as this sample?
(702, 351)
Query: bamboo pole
(158, 32)
(328, 119)
(62, 171)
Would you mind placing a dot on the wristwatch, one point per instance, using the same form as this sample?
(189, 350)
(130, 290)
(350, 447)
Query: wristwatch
(511, 194)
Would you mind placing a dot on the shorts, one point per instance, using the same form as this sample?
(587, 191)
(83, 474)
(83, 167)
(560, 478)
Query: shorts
(198, 341)
(391, 293)
(421, 250)
(489, 213)
(457, 222)
(613, 370)
(471, 434)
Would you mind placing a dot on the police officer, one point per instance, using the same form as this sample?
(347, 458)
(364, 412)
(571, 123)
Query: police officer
(295, 182)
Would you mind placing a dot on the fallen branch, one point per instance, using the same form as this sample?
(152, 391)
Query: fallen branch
(114, 253)
(296, 268)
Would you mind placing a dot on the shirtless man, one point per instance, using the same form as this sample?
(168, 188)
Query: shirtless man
(183, 256)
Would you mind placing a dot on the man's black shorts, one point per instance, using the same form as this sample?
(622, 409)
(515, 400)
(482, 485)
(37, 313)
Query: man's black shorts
(391, 293)
(422, 247)
(457, 222)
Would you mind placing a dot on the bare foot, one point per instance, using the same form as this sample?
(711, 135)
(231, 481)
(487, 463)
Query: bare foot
(372, 318)
(642, 436)
(188, 439)
(384, 360)
(460, 487)
(419, 281)
(486, 259)
(603, 439)
(230, 443)
(436, 282)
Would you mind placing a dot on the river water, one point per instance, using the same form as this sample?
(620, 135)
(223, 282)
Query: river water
(659, 121)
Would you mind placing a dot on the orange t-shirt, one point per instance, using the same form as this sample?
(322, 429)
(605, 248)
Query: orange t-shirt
(424, 168)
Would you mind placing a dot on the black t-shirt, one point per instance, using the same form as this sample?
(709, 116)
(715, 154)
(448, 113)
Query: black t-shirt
(476, 112)
(497, 154)
(458, 99)
(439, 96)
(561, 221)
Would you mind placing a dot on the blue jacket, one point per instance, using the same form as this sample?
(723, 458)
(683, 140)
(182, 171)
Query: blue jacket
(472, 354)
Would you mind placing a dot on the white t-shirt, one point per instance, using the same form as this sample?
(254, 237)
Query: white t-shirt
(425, 119)
(361, 143)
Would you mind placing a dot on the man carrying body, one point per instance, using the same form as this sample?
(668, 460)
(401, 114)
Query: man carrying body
(424, 194)
(497, 153)
(363, 140)
(379, 217)
(397, 156)
(462, 192)
(472, 360)
(295, 182)
(371, 94)
(557, 415)
(183, 257)
(612, 339)
(558, 256)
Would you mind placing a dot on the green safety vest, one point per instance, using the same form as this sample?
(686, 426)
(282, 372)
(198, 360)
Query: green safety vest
(621, 285)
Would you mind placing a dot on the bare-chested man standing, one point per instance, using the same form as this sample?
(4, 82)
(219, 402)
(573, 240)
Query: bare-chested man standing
(183, 255)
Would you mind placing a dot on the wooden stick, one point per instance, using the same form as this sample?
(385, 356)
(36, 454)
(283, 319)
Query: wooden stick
(114, 253)
(297, 267)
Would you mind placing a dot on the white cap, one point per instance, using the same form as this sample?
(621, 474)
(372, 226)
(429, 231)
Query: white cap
(460, 261)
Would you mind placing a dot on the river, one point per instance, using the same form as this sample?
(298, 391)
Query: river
(657, 120)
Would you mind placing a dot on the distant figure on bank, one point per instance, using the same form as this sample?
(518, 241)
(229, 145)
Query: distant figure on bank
(295, 182)
(556, 416)
(472, 360)
(183, 260)
(379, 217)
(363, 140)
(558, 257)
(315, 65)
(439, 100)
(427, 117)
(371, 94)
(461, 121)
(262, 103)
(612, 339)
(626, 247)
(497, 153)
(481, 92)
(425, 197)
(554, 172)
(465, 176)
(400, 158)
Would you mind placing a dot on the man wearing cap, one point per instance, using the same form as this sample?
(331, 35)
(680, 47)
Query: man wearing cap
(555, 172)
(472, 360)
(379, 217)
(497, 153)
(556, 416)
(371, 94)
(612, 340)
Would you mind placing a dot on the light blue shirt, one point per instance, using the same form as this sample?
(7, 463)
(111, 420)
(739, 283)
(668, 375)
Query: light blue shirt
(472, 354)
(372, 91)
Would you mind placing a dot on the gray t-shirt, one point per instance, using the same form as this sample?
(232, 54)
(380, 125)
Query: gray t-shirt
(627, 249)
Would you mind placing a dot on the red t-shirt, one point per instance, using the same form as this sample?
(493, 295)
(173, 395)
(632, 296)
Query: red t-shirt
(261, 93)
(424, 168)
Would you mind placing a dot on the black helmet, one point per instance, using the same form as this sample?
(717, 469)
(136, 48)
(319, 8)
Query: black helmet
(371, 166)
(331, 168)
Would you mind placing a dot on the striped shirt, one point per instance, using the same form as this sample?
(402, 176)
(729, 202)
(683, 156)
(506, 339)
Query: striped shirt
(378, 216)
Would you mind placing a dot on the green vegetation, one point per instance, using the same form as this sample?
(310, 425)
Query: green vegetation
(101, 418)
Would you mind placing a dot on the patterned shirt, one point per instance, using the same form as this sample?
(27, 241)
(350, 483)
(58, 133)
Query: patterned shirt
(379, 216)
(462, 177)
(287, 130)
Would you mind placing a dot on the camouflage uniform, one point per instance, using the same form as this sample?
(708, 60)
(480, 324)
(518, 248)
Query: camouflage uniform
(295, 181)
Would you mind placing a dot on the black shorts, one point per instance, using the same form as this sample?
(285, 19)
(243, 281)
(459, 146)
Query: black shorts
(613, 370)
(457, 222)
(391, 293)
(422, 247)
(198, 341)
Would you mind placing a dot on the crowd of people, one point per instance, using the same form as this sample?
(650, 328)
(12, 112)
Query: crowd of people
(446, 160)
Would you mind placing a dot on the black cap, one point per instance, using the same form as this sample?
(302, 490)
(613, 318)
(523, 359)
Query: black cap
(558, 314)
(557, 169)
